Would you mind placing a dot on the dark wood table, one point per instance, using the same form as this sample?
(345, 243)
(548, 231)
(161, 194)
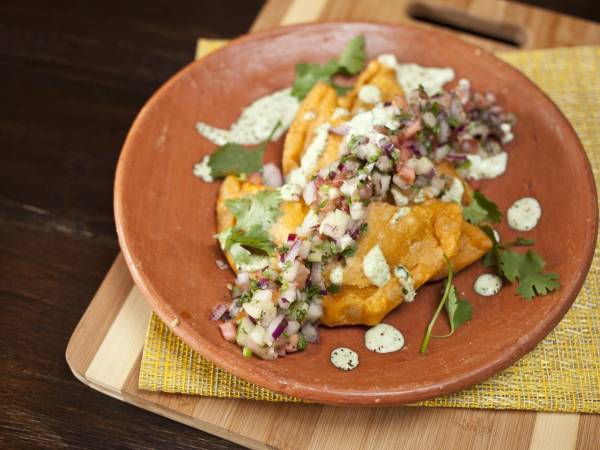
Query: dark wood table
(74, 75)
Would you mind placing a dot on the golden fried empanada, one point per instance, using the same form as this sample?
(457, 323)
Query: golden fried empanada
(473, 244)
(316, 109)
(376, 74)
(418, 241)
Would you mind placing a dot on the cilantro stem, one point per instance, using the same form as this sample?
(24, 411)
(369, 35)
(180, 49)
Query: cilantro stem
(272, 133)
(447, 287)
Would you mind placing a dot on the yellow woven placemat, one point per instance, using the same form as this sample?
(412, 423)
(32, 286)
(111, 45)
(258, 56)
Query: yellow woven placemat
(561, 374)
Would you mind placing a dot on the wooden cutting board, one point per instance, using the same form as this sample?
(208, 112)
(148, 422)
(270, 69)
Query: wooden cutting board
(105, 349)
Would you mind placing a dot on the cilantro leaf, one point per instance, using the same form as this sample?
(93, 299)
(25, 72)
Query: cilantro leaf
(233, 159)
(255, 214)
(341, 90)
(246, 260)
(491, 258)
(260, 209)
(350, 62)
(527, 269)
(353, 58)
(459, 311)
(307, 75)
(255, 238)
(481, 209)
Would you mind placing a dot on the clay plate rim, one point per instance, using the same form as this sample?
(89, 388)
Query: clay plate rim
(260, 376)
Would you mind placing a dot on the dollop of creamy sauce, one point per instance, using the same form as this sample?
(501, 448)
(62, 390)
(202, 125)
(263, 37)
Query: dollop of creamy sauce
(375, 267)
(487, 284)
(202, 170)
(369, 93)
(337, 275)
(487, 167)
(410, 76)
(455, 192)
(384, 338)
(256, 121)
(400, 213)
(406, 281)
(524, 214)
(344, 358)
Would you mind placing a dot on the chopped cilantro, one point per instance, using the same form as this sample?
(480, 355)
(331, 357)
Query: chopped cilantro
(261, 209)
(349, 251)
(302, 344)
(481, 209)
(334, 288)
(255, 214)
(350, 62)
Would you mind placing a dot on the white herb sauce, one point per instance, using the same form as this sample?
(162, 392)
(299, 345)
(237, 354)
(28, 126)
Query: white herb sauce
(524, 214)
(344, 358)
(486, 168)
(375, 267)
(410, 76)
(297, 178)
(384, 338)
(369, 93)
(400, 213)
(203, 170)
(256, 121)
(487, 284)
(455, 192)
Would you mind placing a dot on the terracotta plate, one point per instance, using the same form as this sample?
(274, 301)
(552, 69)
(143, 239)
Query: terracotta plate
(166, 218)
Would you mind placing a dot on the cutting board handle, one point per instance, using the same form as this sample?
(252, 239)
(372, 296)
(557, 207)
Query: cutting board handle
(465, 22)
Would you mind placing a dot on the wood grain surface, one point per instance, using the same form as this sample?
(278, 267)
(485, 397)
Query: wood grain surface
(74, 76)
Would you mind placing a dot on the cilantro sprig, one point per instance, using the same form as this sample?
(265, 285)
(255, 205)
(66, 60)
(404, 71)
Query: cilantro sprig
(459, 311)
(350, 62)
(255, 214)
(481, 209)
(526, 269)
(234, 159)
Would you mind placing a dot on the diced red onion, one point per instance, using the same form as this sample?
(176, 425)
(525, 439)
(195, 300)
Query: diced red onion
(272, 175)
(218, 311)
(440, 153)
(242, 280)
(341, 130)
(277, 327)
(310, 193)
(310, 333)
(292, 253)
(267, 353)
(315, 273)
(315, 311)
(292, 327)
(456, 157)
(228, 331)
(444, 133)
